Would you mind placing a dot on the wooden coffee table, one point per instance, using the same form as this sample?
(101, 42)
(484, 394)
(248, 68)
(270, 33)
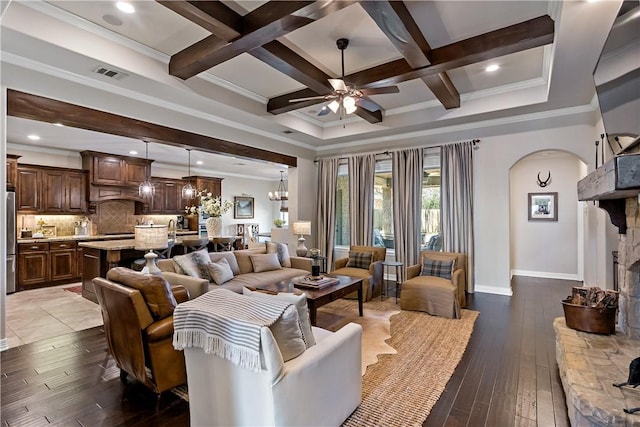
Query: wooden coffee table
(318, 298)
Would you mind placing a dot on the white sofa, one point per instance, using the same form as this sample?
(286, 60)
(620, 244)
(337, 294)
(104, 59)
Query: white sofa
(321, 387)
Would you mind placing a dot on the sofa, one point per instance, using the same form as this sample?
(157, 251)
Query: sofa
(436, 291)
(247, 267)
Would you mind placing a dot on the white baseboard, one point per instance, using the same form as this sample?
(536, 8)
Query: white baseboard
(4, 344)
(493, 290)
(545, 275)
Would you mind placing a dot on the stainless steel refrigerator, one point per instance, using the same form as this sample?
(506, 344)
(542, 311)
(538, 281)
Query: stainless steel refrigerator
(12, 262)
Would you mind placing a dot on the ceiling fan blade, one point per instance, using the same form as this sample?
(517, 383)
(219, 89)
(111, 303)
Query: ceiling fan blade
(310, 98)
(324, 111)
(338, 85)
(367, 104)
(380, 90)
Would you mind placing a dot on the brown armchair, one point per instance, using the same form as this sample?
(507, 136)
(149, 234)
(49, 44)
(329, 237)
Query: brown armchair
(436, 295)
(138, 321)
(372, 276)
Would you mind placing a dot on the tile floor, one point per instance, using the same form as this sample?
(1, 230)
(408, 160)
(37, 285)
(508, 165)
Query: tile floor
(48, 312)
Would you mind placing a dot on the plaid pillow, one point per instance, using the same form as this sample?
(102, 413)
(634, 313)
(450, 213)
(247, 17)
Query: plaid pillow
(360, 260)
(432, 267)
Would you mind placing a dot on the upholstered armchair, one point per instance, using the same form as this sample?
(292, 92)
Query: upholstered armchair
(440, 289)
(371, 273)
(137, 310)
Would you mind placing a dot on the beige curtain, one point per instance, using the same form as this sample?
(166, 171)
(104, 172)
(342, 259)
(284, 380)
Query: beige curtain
(457, 202)
(327, 183)
(362, 171)
(407, 171)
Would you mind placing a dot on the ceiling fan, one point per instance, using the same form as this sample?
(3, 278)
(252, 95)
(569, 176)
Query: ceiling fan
(345, 99)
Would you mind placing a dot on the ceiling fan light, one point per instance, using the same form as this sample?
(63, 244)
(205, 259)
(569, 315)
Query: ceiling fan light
(349, 103)
(333, 106)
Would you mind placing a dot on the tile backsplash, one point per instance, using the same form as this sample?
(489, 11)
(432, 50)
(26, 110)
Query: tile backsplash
(112, 217)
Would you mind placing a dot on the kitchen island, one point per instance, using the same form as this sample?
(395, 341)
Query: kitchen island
(100, 256)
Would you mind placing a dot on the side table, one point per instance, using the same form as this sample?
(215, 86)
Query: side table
(398, 265)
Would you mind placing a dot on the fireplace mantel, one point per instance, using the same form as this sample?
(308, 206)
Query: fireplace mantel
(612, 183)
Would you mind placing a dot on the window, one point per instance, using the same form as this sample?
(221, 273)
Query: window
(431, 236)
(342, 206)
(383, 206)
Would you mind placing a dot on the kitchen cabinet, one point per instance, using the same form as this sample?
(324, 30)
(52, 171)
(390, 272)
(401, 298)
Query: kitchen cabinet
(64, 191)
(113, 170)
(48, 190)
(12, 171)
(205, 183)
(33, 265)
(28, 194)
(168, 198)
(62, 259)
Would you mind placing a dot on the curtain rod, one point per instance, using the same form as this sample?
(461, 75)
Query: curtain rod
(474, 141)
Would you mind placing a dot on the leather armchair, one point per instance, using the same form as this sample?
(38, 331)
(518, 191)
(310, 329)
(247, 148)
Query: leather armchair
(372, 277)
(322, 386)
(436, 295)
(137, 310)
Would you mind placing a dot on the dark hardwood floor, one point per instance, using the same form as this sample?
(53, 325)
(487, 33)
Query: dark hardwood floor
(507, 377)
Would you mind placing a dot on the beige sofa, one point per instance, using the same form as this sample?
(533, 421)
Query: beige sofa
(436, 295)
(244, 276)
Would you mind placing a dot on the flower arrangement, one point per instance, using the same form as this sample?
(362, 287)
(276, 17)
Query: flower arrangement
(209, 204)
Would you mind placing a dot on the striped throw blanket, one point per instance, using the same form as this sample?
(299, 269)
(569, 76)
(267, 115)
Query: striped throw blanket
(226, 324)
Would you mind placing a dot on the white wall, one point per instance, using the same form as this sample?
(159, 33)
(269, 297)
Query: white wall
(545, 248)
(492, 163)
(263, 212)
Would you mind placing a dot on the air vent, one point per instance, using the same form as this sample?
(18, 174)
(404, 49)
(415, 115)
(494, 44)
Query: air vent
(287, 132)
(110, 72)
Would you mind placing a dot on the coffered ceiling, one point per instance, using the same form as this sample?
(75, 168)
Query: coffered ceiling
(237, 64)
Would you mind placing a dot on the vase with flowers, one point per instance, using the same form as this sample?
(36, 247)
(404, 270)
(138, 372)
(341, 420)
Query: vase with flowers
(214, 207)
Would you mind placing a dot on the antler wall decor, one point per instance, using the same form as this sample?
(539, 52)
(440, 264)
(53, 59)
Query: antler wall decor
(544, 183)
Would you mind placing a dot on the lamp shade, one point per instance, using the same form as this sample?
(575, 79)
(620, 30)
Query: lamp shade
(301, 227)
(151, 237)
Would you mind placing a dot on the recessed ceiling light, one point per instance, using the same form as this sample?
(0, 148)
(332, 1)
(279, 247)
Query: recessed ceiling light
(492, 67)
(33, 137)
(58, 124)
(199, 162)
(133, 152)
(125, 7)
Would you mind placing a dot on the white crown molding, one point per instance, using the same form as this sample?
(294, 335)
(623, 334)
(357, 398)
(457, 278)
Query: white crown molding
(570, 111)
(213, 79)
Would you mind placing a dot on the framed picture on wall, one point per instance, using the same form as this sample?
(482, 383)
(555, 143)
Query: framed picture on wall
(543, 206)
(243, 207)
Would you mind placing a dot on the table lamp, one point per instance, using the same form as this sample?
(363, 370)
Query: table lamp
(150, 237)
(301, 228)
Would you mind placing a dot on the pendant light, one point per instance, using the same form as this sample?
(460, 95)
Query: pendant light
(146, 187)
(281, 193)
(188, 192)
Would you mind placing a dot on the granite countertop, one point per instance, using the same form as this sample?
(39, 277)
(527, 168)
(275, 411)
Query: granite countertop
(116, 245)
(105, 237)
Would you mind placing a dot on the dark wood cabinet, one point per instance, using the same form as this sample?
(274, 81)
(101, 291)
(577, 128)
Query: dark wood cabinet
(62, 258)
(168, 198)
(12, 171)
(48, 190)
(113, 170)
(28, 194)
(33, 265)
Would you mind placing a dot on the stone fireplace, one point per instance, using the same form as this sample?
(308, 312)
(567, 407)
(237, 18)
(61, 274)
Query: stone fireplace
(589, 363)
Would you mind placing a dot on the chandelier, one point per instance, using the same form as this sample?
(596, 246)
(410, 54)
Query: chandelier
(188, 192)
(281, 193)
(146, 187)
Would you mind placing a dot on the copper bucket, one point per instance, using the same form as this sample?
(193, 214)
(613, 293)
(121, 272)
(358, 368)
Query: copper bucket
(589, 319)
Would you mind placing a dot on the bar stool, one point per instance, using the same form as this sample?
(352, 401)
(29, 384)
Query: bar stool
(191, 245)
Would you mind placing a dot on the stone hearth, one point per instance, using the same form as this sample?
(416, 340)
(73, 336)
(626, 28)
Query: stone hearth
(589, 364)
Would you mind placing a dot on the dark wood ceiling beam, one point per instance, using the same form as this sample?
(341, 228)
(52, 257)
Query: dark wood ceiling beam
(395, 20)
(33, 107)
(372, 117)
(263, 25)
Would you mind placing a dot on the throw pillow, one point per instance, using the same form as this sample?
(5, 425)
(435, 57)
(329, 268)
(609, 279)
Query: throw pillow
(265, 262)
(283, 252)
(359, 260)
(438, 268)
(300, 302)
(288, 334)
(194, 264)
(220, 271)
(155, 290)
(229, 256)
